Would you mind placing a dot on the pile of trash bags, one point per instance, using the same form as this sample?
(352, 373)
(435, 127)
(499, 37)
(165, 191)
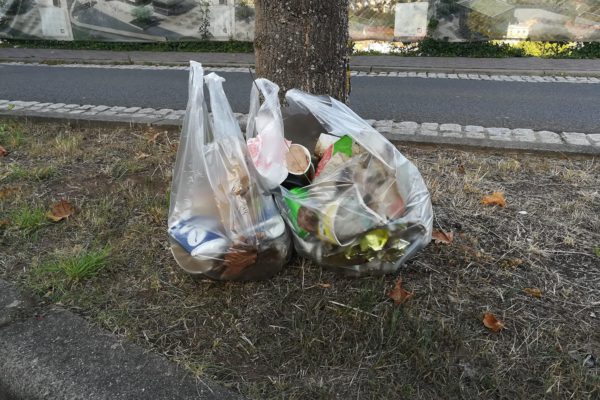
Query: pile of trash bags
(239, 205)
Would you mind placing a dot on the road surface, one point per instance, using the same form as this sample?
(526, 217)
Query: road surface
(571, 107)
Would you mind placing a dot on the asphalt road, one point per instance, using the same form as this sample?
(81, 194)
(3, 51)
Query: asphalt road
(542, 106)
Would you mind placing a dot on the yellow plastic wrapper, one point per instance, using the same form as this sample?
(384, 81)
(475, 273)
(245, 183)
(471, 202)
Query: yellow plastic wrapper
(374, 240)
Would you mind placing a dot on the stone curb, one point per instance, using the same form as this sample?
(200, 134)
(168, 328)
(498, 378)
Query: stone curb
(54, 354)
(404, 131)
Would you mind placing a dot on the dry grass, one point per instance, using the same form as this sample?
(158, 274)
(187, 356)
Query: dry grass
(293, 337)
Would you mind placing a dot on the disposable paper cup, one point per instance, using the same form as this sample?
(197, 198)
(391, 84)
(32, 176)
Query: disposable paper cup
(298, 177)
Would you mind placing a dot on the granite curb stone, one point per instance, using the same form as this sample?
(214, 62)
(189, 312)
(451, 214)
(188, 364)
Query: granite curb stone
(576, 138)
(594, 138)
(427, 132)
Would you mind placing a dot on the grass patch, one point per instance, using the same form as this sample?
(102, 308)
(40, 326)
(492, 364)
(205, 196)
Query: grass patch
(11, 137)
(17, 172)
(308, 333)
(28, 220)
(67, 145)
(56, 278)
(79, 267)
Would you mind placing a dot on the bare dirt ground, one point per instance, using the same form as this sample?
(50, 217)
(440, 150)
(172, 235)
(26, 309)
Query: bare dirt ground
(308, 333)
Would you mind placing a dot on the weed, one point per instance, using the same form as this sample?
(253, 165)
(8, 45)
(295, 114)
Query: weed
(11, 136)
(42, 173)
(66, 145)
(28, 220)
(18, 173)
(57, 278)
(125, 167)
(80, 266)
(97, 215)
(157, 215)
(510, 165)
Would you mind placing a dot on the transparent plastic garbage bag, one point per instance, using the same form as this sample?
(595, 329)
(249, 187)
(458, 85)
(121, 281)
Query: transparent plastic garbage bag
(264, 131)
(222, 222)
(368, 210)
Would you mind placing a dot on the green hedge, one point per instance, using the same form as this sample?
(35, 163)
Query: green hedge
(427, 48)
(191, 46)
(495, 49)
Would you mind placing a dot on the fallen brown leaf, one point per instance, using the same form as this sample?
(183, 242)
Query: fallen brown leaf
(494, 199)
(141, 156)
(533, 292)
(4, 222)
(441, 237)
(324, 285)
(461, 169)
(3, 151)
(61, 210)
(398, 294)
(9, 191)
(152, 137)
(492, 323)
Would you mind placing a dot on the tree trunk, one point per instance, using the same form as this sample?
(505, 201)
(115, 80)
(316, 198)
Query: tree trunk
(303, 44)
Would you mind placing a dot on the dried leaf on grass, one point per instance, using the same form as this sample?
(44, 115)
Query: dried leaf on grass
(461, 169)
(152, 136)
(61, 210)
(324, 285)
(141, 156)
(4, 223)
(399, 294)
(533, 292)
(494, 199)
(3, 151)
(7, 192)
(492, 323)
(442, 237)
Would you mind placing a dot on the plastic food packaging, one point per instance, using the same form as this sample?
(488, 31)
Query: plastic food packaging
(367, 210)
(223, 223)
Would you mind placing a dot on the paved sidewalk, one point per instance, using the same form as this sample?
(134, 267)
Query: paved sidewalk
(398, 131)
(506, 66)
(52, 354)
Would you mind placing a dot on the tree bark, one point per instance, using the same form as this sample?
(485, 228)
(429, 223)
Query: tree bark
(303, 44)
